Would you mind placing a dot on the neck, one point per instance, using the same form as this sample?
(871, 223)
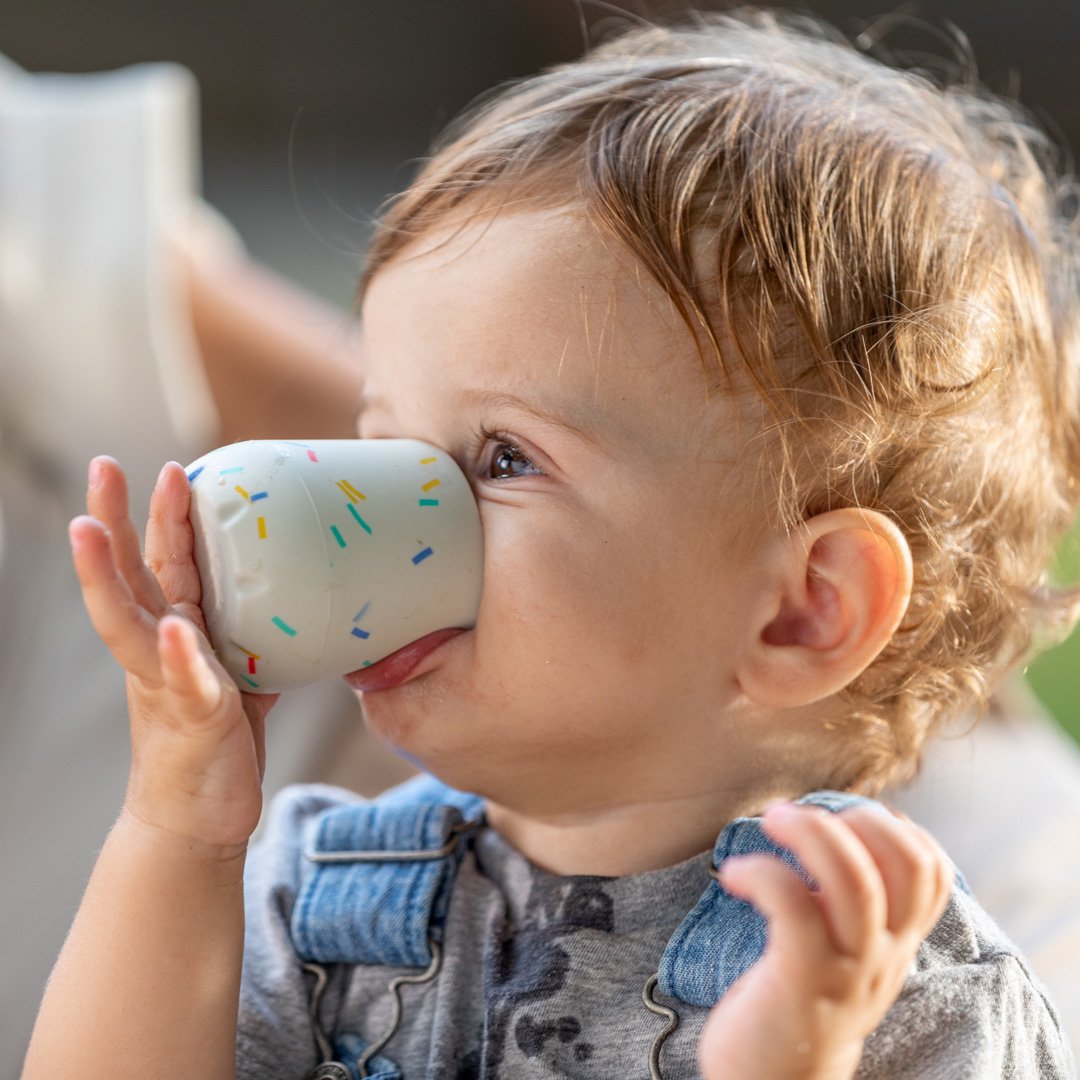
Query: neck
(631, 838)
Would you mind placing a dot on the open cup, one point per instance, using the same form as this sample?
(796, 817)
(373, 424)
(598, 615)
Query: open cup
(322, 557)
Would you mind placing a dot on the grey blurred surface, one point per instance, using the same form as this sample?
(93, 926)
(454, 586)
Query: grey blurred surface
(311, 111)
(314, 109)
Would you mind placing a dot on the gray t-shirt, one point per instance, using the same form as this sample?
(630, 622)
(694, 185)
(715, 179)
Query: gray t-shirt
(542, 976)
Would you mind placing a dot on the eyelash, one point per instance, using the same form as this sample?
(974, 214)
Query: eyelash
(485, 436)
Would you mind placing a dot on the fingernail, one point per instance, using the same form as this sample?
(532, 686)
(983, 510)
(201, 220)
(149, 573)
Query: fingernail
(95, 472)
(164, 468)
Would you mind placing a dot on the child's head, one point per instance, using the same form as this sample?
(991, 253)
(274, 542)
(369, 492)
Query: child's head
(873, 281)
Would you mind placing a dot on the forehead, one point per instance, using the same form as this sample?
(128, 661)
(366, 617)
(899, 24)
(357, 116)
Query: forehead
(539, 305)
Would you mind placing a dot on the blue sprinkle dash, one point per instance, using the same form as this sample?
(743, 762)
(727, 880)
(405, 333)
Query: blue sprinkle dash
(357, 632)
(420, 556)
(259, 495)
(192, 476)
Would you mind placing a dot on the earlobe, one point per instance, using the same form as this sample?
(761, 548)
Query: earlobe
(844, 587)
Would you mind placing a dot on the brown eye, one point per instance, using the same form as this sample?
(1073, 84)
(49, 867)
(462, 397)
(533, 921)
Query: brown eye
(509, 461)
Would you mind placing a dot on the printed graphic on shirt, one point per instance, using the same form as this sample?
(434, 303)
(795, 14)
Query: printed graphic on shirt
(529, 969)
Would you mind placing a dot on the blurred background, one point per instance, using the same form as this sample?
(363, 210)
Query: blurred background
(314, 111)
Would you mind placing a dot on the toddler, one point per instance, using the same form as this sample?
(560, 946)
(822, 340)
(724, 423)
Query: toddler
(761, 358)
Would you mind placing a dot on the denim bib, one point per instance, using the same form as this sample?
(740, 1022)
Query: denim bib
(375, 889)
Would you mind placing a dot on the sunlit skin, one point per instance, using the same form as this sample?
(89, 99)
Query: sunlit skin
(600, 702)
(651, 658)
(598, 693)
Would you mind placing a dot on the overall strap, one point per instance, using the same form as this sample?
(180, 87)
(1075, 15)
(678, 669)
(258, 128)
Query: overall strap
(724, 936)
(376, 879)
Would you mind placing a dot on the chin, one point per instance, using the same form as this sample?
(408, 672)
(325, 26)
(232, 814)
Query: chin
(406, 728)
(434, 747)
(391, 725)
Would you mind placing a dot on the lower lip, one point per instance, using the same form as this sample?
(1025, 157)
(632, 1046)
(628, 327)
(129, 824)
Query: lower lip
(397, 668)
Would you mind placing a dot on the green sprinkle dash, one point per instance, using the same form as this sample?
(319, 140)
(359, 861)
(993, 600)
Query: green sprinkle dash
(281, 624)
(337, 536)
(363, 524)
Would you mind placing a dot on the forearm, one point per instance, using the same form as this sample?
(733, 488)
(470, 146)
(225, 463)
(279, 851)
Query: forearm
(148, 980)
(280, 363)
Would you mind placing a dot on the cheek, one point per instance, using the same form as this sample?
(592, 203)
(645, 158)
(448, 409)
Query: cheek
(573, 594)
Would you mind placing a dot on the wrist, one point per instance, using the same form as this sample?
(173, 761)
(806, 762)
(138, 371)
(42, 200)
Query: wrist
(180, 848)
(782, 1059)
(836, 1065)
(203, 806)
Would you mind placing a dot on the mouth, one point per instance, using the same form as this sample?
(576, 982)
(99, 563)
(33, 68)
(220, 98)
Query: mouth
(399, 666)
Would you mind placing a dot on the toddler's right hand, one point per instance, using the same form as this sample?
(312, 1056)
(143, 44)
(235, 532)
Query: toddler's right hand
(197, 742)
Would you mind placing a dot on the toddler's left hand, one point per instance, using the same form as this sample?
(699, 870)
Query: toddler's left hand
(836, 959)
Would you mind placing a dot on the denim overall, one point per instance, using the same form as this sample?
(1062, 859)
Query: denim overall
(375, 889)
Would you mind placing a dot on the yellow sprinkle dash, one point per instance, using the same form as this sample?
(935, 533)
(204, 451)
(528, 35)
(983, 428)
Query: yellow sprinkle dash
(350, 491)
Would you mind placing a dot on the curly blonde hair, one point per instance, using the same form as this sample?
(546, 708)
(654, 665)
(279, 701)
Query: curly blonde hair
(888, 260)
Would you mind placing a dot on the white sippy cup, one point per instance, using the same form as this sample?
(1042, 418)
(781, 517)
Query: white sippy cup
(323, 557)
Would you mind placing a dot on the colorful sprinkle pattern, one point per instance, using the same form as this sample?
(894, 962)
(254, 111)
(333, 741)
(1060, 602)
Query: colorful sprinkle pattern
(354, 496)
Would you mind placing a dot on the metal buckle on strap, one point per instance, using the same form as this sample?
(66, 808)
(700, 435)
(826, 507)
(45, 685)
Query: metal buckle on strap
(395, 1017)
(329, 1069)
(672, 1023)
(456, 833)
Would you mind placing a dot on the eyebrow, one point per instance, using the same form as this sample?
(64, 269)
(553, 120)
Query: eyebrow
(497, 399)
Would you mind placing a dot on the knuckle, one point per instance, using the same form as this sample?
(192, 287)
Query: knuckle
(923, 864)
(159, 562)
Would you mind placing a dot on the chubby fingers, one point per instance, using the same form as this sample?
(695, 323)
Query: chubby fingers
(876, 873)
(187, 671)
(917, 874)
(107, 500)
(170, 544)
(855, 902)
(123, 623)
(796, 929)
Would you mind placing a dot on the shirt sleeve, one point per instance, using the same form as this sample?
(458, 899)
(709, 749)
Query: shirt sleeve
(971, 1009)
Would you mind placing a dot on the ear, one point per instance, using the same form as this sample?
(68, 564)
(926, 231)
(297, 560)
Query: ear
(845, 582)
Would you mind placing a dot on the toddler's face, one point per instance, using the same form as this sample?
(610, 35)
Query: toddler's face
(616, 594)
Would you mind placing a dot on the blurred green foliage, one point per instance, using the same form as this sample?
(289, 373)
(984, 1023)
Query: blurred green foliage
(1055, 674)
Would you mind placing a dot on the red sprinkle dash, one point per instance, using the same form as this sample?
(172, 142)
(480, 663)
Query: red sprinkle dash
(311, 454)
(251, 665)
